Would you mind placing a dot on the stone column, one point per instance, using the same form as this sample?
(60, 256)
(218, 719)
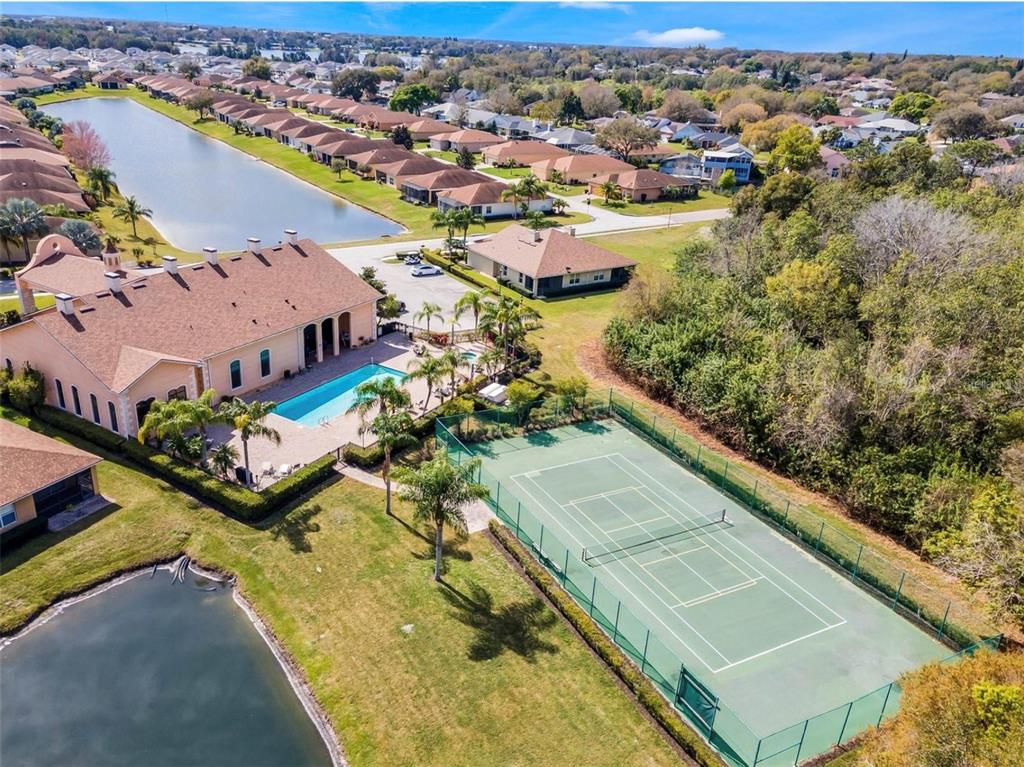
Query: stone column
(337, 334)
(319, 342)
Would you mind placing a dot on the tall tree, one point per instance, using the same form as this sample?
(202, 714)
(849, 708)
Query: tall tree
(473, 301)
(384, 395)
(429, 369)
(625, 136)
(257, 67)
(428, 311)
(249, 420)
(439, 492)
(355, 84)
(412, 97)
(21, 220)
(100, 181)
(130, 211)
(393, 431)
(84, 146)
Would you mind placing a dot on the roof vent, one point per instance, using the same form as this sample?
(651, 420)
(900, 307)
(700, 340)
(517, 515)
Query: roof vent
(113, 281)
(170, 264)
(536, 235)
(253, 244)
(291, 236)
(572, 231)
(210, 254)
(65, 304)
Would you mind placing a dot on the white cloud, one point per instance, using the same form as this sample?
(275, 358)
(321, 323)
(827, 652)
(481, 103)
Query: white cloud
(679, 36)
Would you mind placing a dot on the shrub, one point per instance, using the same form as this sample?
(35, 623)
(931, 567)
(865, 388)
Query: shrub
(646, 693)
(108, 440)
(26, 389)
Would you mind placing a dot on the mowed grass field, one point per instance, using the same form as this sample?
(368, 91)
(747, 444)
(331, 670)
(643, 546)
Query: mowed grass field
(478, 672)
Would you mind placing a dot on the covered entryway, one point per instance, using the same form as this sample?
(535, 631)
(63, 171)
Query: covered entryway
(345, 330)
(309, 348)
(327, 337)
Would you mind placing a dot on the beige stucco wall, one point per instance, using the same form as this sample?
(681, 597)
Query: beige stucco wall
(285, 350)
(24, 510)
(156, 382)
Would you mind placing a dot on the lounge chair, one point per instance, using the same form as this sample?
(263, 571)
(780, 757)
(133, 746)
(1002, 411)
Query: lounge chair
(284, 470)
(267, 469)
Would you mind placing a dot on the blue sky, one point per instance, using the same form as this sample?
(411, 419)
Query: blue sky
(924, 27)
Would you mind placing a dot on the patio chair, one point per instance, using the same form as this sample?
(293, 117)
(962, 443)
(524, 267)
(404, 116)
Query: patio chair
(284, 470)
(267, 469)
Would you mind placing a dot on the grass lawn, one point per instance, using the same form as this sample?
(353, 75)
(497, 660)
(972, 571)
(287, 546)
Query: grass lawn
(9, 303)
(487, 675)
(442, 154)
(506, 172)
(705, 201)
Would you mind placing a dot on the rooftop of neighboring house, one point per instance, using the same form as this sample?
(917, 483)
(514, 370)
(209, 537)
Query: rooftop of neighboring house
(576, 163)
(641, 178)
(484, 193)
(449, 178)
(33, 461)
(196, 311)
(411, 166)
(470, 136)
(546, 252)
(514, 150)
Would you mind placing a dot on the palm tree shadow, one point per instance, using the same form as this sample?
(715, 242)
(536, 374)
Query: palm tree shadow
(450, 549)
(517, 627)
(296, 526)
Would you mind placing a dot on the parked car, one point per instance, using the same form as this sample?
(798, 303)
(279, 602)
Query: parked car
(424, 270)
(412, 260)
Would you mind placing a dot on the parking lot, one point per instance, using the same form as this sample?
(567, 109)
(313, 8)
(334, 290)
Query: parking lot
(441, 289)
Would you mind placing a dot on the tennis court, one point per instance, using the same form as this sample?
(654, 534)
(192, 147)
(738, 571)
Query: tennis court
(778, 636)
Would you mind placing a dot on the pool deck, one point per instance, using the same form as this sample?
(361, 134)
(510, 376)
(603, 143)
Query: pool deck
(301, 444)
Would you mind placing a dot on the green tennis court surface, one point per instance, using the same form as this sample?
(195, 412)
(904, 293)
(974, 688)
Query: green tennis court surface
(775, 634)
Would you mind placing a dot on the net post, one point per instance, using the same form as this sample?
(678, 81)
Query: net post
(593, 594)
(800, 745)
(884, 704)
(643, 659)
(845, 722)
(856, 565)
(821, 532)
(942, 628)
(899, 590)
(615, 631)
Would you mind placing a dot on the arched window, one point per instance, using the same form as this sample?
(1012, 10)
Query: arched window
(74, 398)
(95, 405)
(236, 374)
(113, 416)
(265, 363)
(60, 394)
(9, 365)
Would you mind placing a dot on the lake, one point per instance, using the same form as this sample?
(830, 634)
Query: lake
(204, 193)
(151, 672)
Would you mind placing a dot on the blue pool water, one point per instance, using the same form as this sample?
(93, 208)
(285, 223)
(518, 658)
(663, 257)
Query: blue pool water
(333, 397)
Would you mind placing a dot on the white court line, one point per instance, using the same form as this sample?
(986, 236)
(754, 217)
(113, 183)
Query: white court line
(631, 524)
(722, 593)
(600, 495)
(628, 590)
(673, 556)
(558, 466)
(777, 647)
(740, 543)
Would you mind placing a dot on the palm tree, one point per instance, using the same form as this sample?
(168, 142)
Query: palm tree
(452, 359)
(163, 423)
(248, 419)
(465, 218)
(20, 220)
(200, 413)
(223, 458)
(490, 360)
(444, 219)
(471, 300)
(384, 394)
(101, 181)
(610, 191)
(527, 188)
(506, 321)
(131, 210)
(428, 312)
(432, 370)
(392, 430)
(534, 219)
(438, 491)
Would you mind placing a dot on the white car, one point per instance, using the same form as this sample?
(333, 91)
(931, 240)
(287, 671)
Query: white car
(424, 270)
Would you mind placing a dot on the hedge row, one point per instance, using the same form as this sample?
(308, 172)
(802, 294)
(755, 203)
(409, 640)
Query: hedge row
(241, 501)
(468, 274)
(642, 687)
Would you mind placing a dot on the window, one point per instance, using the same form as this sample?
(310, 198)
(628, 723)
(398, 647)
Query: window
(236, 374)
(178, 393)
(503, 271)
(574, 279)
(94, 403)
(7, 515)
(265, 363)
(60, 394)
(9, 365)
(112, 411)
(520, 278)
(74, 398)
(599, 277)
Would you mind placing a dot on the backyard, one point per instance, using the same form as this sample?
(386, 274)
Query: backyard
(704, 201)
(407, 671)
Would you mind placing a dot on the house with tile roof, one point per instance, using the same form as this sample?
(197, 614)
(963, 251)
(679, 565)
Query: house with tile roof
(470, 138)
(521, 152)
(41, 476)
(644, 185)
(486, 199)
(548, 262)
(578, 168)
(234, 324)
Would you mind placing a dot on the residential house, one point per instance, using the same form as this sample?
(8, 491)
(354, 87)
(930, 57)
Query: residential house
(644, 185)
(488, 199)
(423, 128)
(682, 165)
(520, 152)
(425, 188)
(469, 138)
(41, 476)
(111, 82)
(382, 154)
(233, 324)
(393, 172)
(548, 262)
(577, 168)
(565, 138)
(734, 157)
(1015, 121)
(834, 163)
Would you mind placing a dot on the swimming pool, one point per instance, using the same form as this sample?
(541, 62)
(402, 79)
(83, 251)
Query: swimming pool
(331, 398)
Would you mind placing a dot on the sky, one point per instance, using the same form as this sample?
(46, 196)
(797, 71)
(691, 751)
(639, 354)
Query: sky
(920, 27)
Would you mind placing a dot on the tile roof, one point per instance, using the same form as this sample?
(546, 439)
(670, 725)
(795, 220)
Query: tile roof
(516, 150)
(484, 193)
(33, 461)
(578, 163)
(546, 253)
(449, 178)
(57, 266)
(642, 178)
(204, 310)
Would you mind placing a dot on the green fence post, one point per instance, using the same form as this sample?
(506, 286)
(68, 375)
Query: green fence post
(856, 565)
(800, 745)
(593, 593)
(884, 704)
(615, 631)
(679, 684)
(497, 494)
(942, 628)
(654, 429)
(643, 659)
(697, 459)
(821, 532)
(845, 722)
(755, 488)
(632, 405)
(725, 474)
(609, 400)
(899, 590)
(540, 543)
(519, 510)
(565, 570)
(785, 517)
(757, 752)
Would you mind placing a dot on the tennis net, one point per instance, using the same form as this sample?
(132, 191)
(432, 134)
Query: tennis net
(604, 552)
